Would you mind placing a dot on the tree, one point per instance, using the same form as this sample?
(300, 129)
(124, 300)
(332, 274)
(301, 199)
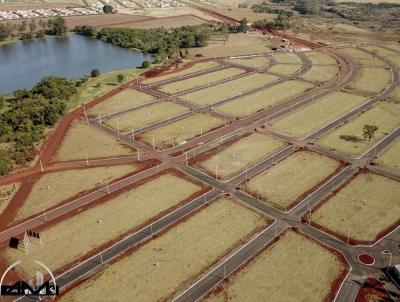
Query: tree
(308, 7)
(2, 102)
(120, 78)
(22, 26)
(32, 25)
(146, 64)
(108, 9)
(95, 73)
(4, 32)
(59, 27)
(42, 23)
(369, 131)
(243, 27)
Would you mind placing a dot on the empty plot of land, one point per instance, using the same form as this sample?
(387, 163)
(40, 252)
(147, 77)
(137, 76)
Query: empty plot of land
(145, 116)
(361, 57)
(198, 81)
(126, 98)
(167, 22)
(283, 184)
(150, 273)
(396, 93)
(285, 69)
(287, 58)
(244, 153)
(394, 46)
(7, 192)
(306, 119)
(83, 141)
(252, 103)
(53, 188)
(384, 115)
(180, 131)
(195, 68)
(98, 225)
(227, 90)
(371, 79)
(270, 276)
(367, 206)
(317, 57)
(390, 157)
(255, 62)
(321, 73)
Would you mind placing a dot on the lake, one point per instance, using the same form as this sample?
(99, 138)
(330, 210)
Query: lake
(23, 64)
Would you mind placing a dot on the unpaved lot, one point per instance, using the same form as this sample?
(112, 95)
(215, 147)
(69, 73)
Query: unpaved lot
(7, 192)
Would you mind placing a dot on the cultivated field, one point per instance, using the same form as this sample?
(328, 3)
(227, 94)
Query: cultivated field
(321, 73)
(287, 58)
(180, 131)
(306, 119)
(203, 239)
(195, 68)
(285, 69)
(126, 98)
(53, 188)
(7, 192)
(255, 62)
(281, 272)
(280, 185)
(145, 116)
(365, 207)
(105, 222)
(227, 90)
(84, 140)
(252, 103)
(317, 57)
(205, 79)
(371, 79)
(361, 57)
(390, 156)
(227, 161)
(383, 115)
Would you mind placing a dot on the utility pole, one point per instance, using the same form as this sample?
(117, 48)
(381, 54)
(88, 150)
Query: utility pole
(41, 165)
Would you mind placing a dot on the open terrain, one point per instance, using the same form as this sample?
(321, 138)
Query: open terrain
(53, 188)
(383, 115)
(270, 276)
(280, 185)
(317, 57)
(253, 62)
(306, 119)
(363, 209)
(372, 79)
(285, 69)
(203, 239)
(83, 141)
(145, 116)
(362, 57)
(389, 157)
(321, 73)
(7, 192)
(227, 161)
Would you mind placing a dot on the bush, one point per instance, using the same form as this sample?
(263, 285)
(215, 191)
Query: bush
(146, 64)
(350, 138)
(108, 9)
(95, 73)
(120, 78)
(40, 34)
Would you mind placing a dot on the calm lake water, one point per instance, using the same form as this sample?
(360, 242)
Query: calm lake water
(23, 64)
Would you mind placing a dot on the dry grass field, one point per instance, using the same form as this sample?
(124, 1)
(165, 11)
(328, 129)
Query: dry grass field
(317, 57)
(366, 206)
(372, 79)
(254, 62)
(252, 103)
(287, 58)
(280, 185)
(396, 93)
(383, 115)
(292, 269)
(84, 140)
(195, 68)
(7, 192)
(239, 13)
(242, 154)
(105, 222)
(321, 73)
(394, 46)
(180, 131)
(390, 156)
(361, 57)
(53, 188)
(285, 69)
(198, 81)
(145, 116)
(306, 119)
(126, 98)
(226, 90)
(392, 56)
(203, 239)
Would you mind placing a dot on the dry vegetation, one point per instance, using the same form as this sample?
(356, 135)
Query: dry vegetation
(285, 69)
(292, 269)
(361, 57)
(203, 239)
(84, 140)
(287, 58)
(280, 185)
(252, 62)
(7, 192)
(372, 79)
(53, 188)
(367, 206)
(390, 156)
(317, 57)
(321, 73)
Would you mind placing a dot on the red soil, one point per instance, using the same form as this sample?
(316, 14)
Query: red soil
(373, 288)
(366, 259)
